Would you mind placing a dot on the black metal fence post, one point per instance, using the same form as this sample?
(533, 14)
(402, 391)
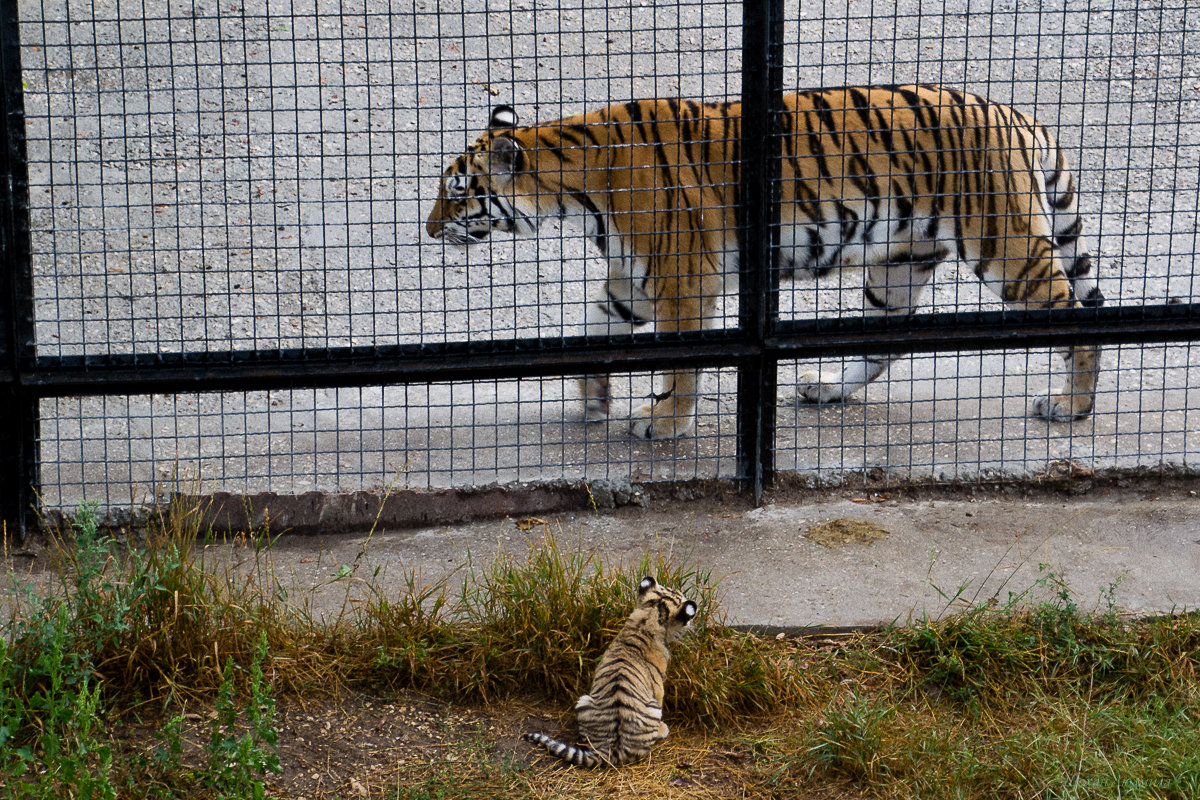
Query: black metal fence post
(18, 408)
(762, 79)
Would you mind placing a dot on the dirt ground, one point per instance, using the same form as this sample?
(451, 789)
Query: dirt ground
(368, 746)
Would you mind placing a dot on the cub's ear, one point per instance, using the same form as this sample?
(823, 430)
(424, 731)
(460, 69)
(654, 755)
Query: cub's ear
(503, 117)
(687, 613)
(506, 156)
(646, 585)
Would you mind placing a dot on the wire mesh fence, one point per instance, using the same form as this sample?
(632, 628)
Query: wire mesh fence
(1116, 85)
(233, 269)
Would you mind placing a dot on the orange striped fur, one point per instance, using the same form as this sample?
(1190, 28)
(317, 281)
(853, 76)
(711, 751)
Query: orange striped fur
(895, 179)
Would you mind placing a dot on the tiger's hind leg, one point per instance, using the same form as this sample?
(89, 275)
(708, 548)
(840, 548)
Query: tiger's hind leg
(1083, 362)
(892, 287)
(1042, 283)
(1077, 266)
(1069, 260)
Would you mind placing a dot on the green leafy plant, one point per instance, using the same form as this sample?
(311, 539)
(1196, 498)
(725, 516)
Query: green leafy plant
(238, 758)
(50, 701)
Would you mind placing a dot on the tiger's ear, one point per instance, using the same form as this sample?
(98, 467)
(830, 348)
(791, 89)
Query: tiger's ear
(687, 613)
(503, 117)
(505, 156)
(646, 585)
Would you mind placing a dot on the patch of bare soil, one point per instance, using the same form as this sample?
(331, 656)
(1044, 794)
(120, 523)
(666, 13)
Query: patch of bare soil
(835, 533)
(362, 746)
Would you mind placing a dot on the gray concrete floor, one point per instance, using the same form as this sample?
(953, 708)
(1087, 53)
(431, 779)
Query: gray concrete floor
(1133, 551)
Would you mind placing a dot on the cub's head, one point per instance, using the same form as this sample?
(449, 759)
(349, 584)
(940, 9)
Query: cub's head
(476, 195)
(668, 608)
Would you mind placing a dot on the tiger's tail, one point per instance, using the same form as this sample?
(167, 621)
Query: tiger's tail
(577, 756)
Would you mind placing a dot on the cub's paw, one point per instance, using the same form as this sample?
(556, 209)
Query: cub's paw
(820, 387)
(1062, 407)
(649, 422)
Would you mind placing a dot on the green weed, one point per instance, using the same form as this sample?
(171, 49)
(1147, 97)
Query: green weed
(67, 659)
(539, 624)
(50, 701)
(238, 759)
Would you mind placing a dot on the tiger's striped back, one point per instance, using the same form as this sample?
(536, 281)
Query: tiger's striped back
(620, 719)
(879, 173)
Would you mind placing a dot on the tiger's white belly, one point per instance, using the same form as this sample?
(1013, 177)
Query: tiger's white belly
(865, 233)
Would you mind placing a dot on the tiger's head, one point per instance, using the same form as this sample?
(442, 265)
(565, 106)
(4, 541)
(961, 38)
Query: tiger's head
(478, 193)
(664, 608)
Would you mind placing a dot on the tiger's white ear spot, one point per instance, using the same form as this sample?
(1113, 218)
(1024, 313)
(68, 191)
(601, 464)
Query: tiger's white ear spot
(689, 610)
(503, 117)
(646, 585)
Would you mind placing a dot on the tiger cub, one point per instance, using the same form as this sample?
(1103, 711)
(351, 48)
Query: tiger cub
(895, 179)
(621, 717)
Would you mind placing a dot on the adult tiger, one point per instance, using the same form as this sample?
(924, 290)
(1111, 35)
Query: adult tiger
(621, 717)
(895, 179)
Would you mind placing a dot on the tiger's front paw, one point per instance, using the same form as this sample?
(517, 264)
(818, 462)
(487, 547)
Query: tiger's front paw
(661, 420)
(820, 387)
(1062, 407)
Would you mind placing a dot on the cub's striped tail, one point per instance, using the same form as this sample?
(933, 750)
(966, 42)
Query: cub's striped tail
(578, 756)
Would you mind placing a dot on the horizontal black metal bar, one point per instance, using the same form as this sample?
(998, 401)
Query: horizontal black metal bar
(419, 363)
(334, 367)
(988, 330)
